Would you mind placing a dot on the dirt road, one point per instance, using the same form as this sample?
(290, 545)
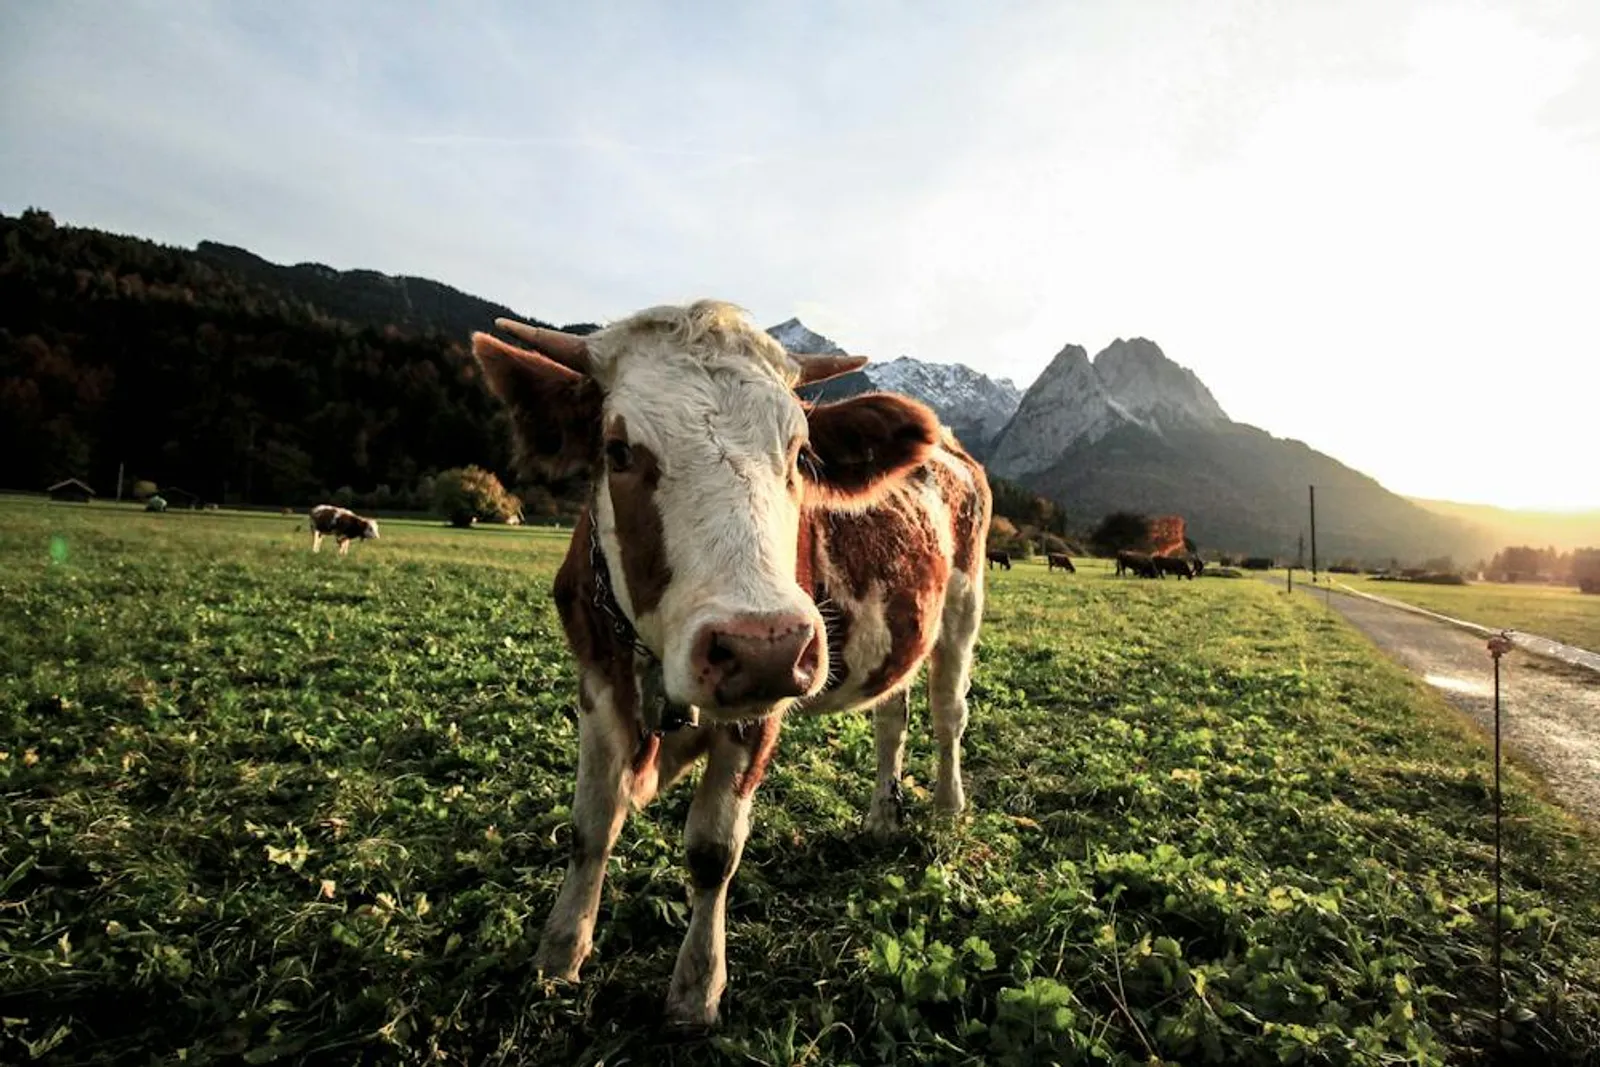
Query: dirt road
(1550, 713)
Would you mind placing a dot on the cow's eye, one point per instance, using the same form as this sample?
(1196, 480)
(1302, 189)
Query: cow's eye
(618, 454)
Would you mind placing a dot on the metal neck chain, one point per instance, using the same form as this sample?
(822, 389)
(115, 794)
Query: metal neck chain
(606, 600)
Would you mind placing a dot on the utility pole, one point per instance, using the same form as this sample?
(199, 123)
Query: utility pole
(119, 481)
(1313, 533)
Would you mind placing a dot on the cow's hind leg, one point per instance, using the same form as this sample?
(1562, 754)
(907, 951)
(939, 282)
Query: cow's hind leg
(719, 823)
(889, 721)
(316, 540)
(949, 676)
(599, 806)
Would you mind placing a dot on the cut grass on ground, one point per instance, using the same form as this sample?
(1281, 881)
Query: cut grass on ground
(296, 808)
(1557, 612)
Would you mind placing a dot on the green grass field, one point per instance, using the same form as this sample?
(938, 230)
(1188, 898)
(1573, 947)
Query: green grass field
(1558, 612)
(263, 806)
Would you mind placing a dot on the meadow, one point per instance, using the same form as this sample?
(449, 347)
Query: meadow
(1560, 613)
(262, 806)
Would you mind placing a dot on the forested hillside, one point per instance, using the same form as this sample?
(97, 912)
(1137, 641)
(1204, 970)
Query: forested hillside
(115, 349)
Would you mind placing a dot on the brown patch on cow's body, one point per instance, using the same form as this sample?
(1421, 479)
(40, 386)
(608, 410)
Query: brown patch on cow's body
(969, 509)
(889, 554)
(638, 519)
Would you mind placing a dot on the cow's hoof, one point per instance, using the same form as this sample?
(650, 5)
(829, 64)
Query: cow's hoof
(689, 1018)
(949, 800)
(887, 818)
(559, 962)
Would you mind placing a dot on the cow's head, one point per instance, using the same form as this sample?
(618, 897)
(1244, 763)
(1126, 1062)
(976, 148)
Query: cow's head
(369, 529)
(700, 455)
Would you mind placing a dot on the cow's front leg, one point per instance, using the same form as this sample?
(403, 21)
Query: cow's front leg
(889, 721)
(344, 547)
(719, 823)
(599, 806)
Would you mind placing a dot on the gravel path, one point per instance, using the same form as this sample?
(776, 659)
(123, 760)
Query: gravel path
(1550, 713)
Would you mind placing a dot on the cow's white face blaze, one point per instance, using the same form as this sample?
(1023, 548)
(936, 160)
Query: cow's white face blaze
(698, 513)
(686, 422)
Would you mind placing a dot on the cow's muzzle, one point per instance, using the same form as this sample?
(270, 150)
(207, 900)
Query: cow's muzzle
(750, 659)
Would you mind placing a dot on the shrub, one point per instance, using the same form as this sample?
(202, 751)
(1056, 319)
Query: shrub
(471, 494)
(1439, 578)
(1586, 569)
(144, 490)
(1121, 531)
(1257, 563)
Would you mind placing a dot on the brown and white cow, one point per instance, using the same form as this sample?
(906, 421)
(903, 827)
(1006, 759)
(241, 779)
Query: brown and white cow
(743, 556)
(341, 523)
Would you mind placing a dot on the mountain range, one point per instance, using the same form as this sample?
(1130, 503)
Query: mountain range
(1133, 430)
(247, 381)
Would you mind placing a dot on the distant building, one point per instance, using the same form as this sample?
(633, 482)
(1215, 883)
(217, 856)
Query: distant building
(71, 490)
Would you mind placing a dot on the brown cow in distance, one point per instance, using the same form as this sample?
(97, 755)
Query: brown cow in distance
(342, 524)
(1060, 560)
(743, 556)
(997, 557)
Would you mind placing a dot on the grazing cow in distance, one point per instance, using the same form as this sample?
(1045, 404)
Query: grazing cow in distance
(743, 556)
(996, 556)
(1178, 565)
(341, 523)
(1060, 560)
(1138, 563)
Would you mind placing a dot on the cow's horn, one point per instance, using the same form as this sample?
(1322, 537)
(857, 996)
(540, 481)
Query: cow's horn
(820, 368)
(565, 348)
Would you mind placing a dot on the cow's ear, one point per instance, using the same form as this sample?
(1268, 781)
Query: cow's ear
(859, 442)
(555, 412)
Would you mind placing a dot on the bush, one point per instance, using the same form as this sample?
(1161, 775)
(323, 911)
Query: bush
(1257, 563)
(1589, 585)
(471, 494)
(1121, 531)
(1439, 578)
(144, 490)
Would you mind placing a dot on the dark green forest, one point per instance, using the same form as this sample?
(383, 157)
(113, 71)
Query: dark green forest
(208, 373)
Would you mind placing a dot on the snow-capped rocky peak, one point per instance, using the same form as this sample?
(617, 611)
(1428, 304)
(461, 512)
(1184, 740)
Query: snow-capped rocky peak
(1139, 376)
(973, 405)
(795, 336)
(961, 396)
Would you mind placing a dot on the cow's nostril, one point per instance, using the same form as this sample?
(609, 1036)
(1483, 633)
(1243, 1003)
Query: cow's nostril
(719, 654)
(805, 668)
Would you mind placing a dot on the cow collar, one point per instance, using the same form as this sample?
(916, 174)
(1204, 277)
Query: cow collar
(659, 714)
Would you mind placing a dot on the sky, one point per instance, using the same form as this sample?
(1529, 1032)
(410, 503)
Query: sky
(1371, 225)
